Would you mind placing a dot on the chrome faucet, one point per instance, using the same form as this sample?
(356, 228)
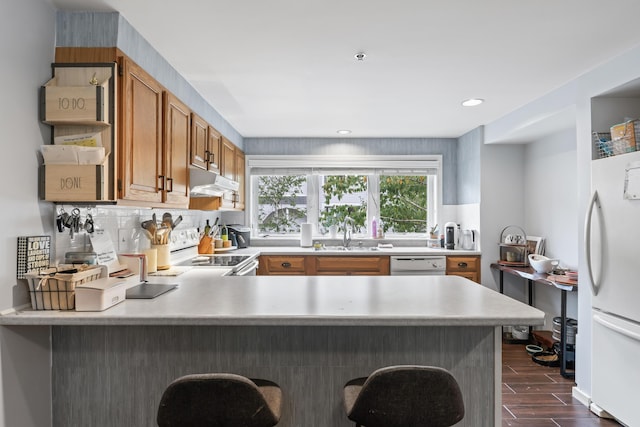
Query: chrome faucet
(347, 227)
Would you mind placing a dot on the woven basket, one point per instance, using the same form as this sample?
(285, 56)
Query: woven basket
(57, 291)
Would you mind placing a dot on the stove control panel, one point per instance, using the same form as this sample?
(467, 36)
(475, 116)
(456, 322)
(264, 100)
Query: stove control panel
(185, 238)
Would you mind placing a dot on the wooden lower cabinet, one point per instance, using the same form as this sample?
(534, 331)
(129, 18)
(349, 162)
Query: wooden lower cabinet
(308, 265)
(274, 265)
(328, 265)
(349, 265)
(465, 266)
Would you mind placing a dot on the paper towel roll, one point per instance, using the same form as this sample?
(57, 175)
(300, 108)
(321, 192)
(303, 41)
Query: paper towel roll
(306, 235)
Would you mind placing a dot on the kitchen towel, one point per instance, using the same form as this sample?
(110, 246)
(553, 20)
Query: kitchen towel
(306, 235)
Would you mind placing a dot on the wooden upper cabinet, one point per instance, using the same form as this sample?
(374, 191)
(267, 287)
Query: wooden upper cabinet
(228, 170)
(199, 142)
(228, 159)
(213, 155)
(205, 144)
(240, 195)
(140, 159)
(177, 138)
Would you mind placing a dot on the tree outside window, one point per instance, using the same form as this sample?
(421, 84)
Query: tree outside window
(403, 203)
(342, 196)
(278, 203)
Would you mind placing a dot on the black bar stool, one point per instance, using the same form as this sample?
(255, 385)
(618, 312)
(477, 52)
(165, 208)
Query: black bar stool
(404, 396)
(220, 400)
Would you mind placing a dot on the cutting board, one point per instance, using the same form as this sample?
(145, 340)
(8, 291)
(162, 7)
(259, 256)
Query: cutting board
(172, 271)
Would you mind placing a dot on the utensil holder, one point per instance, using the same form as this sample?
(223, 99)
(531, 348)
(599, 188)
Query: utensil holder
(164, 256)
(152, 260)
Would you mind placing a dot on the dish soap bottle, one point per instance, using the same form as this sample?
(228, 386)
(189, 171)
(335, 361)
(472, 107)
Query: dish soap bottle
(374, 228)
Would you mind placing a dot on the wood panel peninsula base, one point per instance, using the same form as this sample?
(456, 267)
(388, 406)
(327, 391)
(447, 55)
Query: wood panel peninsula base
(308, 334)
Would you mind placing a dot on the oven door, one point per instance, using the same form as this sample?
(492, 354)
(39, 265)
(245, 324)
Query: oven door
(247, 270)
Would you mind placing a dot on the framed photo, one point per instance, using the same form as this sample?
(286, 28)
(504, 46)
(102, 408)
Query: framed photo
(535, 245)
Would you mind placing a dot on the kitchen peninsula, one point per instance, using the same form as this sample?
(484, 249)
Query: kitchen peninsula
(308, 334)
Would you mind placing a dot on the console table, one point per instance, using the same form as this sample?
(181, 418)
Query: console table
(567, 285)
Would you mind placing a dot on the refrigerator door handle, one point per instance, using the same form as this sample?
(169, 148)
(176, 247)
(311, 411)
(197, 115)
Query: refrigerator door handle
(595, 201)
(616, 328)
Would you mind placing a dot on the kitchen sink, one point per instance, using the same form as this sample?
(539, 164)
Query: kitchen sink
(350, 248)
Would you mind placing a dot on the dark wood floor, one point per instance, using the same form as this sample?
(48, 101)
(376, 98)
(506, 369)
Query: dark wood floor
(535, 395)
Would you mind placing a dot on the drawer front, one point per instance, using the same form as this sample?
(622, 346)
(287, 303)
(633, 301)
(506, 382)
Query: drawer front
(283, 264)
(351, 265)
(473, 276)
(462, 264)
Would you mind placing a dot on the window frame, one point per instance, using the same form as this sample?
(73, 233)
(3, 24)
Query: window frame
(363, 165)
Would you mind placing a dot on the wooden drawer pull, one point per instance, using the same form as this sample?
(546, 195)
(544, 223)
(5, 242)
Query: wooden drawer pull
(462, 265)
(286, 265)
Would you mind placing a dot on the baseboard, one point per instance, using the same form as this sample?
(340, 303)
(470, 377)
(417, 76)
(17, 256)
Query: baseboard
(579, 395)
(585, 399)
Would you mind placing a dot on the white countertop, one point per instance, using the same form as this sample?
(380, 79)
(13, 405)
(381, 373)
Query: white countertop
(396, 250)
(203, 298)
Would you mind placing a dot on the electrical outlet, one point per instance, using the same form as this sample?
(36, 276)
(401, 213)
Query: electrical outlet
(124, 240)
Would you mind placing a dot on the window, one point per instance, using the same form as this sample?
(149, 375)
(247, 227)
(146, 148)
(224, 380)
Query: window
(400, 192)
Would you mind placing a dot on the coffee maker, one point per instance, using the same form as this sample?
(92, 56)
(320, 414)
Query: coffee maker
(450, 235)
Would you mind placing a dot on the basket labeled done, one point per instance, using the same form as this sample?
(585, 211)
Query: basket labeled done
(55, 290)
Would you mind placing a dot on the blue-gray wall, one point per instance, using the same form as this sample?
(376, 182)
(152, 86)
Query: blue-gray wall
(110, 29)
(468, 167)
(447, 147)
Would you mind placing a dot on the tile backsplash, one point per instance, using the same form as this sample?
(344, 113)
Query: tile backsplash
(123, 226)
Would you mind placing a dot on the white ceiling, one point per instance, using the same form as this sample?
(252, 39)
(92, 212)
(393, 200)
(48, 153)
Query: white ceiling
(286, 68)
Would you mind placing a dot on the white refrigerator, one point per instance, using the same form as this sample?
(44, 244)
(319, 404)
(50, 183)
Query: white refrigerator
(612, 242)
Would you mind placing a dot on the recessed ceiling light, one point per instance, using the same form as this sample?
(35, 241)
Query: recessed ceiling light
(344, 132)
(472, 102)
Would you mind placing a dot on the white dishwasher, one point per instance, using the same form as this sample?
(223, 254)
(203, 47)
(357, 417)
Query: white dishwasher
(412, 265)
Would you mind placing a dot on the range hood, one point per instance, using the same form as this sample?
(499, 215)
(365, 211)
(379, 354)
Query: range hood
(209, 184)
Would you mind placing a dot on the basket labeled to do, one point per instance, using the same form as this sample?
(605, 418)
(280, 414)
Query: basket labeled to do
(55, 289)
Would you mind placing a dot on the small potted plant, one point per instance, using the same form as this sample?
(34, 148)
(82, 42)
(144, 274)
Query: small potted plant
(433, 232)
(331, 224)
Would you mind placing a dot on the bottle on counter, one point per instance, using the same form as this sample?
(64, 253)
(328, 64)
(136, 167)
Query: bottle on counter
(207, 228)
(374, 228)
(224, 233)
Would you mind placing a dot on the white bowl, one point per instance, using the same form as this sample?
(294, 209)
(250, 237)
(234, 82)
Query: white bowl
(542, 264)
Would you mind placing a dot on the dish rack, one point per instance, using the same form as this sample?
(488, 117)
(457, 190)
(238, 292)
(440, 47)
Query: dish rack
(622, 138)
(513, 254)
(54, 288)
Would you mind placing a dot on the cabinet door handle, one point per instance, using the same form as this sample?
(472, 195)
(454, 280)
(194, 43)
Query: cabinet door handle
(170, 189)
(162, 182)
(462, 265)
(207, 156)
(286, 265)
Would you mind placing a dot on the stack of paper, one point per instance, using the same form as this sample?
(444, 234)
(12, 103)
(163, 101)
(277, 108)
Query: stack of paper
(72, 155)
